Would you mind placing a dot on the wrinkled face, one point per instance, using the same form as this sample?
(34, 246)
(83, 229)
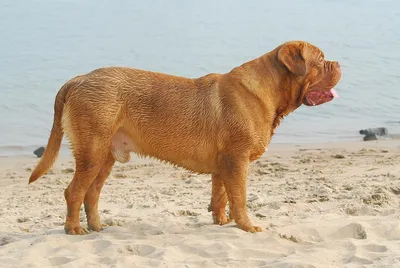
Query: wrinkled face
(316, 75)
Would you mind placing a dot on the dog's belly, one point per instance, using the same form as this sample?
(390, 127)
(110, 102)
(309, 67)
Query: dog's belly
(123, 144)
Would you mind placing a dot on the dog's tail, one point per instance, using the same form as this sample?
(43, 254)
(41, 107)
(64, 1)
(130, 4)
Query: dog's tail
(56, 135)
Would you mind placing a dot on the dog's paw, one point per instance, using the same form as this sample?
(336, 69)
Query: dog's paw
(221, 219)
(79, 230)
(94, 223)
(255, 229)
(97, 227)
(250, 228)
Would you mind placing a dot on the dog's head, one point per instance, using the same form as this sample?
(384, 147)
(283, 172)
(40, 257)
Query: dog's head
(308, 68)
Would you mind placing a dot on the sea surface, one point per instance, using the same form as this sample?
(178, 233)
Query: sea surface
(44, 43)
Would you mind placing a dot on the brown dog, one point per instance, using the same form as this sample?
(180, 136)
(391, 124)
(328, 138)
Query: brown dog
(216, 124)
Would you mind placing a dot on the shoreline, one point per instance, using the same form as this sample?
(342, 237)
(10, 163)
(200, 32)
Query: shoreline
(26, 151)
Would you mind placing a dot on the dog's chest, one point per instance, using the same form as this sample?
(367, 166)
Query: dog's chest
(260, 145)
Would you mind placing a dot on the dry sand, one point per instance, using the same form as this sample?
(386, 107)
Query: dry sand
(321, 205)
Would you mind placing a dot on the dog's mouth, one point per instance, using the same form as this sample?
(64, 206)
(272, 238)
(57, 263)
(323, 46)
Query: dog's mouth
(316, 97)
(323, 91)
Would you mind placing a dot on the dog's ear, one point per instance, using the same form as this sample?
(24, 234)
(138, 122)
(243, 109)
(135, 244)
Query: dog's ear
(291, 55)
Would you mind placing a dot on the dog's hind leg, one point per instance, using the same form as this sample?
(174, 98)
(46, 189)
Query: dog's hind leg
(90, 158)
(91, 200)
(219, 199)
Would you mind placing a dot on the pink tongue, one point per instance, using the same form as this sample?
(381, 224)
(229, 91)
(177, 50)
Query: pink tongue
(334, 94)
(315, 97)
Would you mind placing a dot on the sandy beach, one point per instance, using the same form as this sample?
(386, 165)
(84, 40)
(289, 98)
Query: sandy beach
(321, 205)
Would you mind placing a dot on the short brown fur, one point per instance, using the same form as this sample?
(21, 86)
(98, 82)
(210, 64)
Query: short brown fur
(216, 124)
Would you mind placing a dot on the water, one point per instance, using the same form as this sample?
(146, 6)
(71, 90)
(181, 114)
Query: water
(44, 43)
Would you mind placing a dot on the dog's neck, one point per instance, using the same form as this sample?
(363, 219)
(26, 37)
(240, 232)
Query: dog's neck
(283, 88)
(269, 85)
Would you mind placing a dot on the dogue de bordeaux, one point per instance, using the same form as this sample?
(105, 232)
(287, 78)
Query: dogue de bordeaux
(216, 124)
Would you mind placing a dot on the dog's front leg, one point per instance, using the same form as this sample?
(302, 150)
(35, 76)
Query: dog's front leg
(233, 172)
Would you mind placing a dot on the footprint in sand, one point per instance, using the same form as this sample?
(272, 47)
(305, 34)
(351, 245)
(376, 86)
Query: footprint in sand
(358, 260)
(140, 250)
(289, 264)
(375, 248)
(97, 246)
(57, 261)
(352, 230)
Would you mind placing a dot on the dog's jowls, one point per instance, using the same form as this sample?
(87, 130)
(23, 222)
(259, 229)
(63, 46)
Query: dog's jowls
(216, 124)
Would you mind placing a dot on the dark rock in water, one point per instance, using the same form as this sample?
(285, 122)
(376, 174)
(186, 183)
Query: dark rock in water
(39, 151)
(381, 131)
(374, 137)
(370, 137)
(373, 134)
